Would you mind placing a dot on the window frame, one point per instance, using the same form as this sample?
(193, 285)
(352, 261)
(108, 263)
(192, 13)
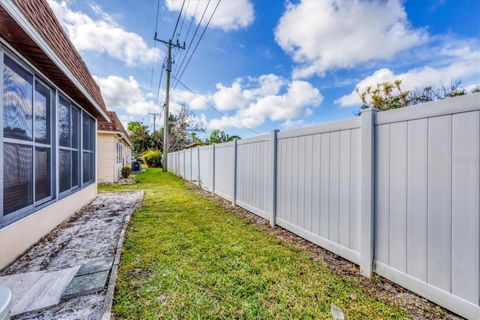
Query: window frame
(55, 94)
(92, 152)
(71, 149)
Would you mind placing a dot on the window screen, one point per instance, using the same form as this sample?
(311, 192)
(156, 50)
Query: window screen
(43, 173)
(27, 149)
(18, 177)
(17, 101)
(69, 128)
(88, 156)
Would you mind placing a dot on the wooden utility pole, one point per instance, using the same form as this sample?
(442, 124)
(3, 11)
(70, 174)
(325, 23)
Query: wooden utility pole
(170, 45)
(155, 114)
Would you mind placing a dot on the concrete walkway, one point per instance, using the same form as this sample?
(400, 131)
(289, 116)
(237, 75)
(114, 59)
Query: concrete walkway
(65, 275)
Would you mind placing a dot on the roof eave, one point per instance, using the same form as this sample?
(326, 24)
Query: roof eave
(38, 39)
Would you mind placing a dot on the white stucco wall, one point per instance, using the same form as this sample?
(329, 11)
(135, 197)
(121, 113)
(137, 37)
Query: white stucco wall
(17, 237)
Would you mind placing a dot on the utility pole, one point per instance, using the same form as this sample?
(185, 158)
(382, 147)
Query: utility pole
(169, 44)
(155, 114)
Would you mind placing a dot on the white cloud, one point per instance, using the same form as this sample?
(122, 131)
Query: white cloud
(125, 94)
(321, 35)
(230, 15)
(466, 69)
(103, 35)
(267, 102)
(245, 90)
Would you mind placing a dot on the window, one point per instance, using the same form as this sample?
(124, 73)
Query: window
(119, 153)
(88, 159)
(69, 140)
(43, 134)
(27, 140)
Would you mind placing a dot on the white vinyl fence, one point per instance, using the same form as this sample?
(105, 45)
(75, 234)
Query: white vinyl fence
(396, 192)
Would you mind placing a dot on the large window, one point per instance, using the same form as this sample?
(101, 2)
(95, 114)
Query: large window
(88, 149)
(69, 145)
(27, 139)
(47, 142)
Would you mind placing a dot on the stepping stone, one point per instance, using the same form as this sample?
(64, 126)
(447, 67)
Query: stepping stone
(95, 266)
(86, 284)
(35, 291)
(337, 313)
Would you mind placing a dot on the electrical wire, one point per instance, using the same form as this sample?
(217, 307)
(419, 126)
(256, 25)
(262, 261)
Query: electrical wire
(198, 42)
(194, 34)
(178, 19)
(154, 44)
(212, 106)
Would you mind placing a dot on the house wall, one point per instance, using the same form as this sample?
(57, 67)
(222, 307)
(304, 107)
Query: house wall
(109, 170)
(17, 237)
(106, 157)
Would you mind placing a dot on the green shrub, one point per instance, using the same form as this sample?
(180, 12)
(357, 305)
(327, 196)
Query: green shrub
(153, 158)
(126, 172)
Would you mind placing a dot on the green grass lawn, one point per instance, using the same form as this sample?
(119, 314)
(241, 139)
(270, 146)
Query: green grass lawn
(186, 257)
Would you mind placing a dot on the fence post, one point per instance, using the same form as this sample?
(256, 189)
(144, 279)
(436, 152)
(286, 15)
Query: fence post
(273, 137)
(198, 167)
(234, 191)
(213, 168)
(367, 191)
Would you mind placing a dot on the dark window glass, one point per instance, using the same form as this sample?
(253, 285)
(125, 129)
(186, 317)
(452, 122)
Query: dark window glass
(17, 101)
(75, 169)
(18, 177)
(42, 113)
(86, 167)
(43, 181)
(86, 134)
(64, 123)
(75, 127)
(65, 169)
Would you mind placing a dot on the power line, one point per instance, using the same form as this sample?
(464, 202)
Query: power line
(194, 34)
(154, 44)
(178, 19)
(160, 81)
(188, 30)
(212, 106)
(198, 42)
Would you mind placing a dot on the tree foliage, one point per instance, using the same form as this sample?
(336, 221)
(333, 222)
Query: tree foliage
(219, 136)
(183, 129)
(390, 95)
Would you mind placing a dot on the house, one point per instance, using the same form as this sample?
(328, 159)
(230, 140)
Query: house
(114, 149)
(50, 106)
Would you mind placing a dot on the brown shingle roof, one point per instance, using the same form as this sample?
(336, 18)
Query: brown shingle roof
(41, 17)
(115, 125)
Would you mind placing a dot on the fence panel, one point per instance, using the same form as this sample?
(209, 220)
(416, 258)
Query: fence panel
(188, 164)
(224, 170)
(422, 230)
(195, 162)
(318, 187)
(427, 202)
(206, 167)
(254, 181)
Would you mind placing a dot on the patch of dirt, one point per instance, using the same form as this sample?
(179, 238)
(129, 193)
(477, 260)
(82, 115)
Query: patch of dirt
(90, 234)
(379, 287)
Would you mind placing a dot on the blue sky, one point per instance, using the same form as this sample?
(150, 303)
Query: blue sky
(273, 64)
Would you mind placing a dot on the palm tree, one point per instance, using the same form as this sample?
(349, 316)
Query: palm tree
(219, 136)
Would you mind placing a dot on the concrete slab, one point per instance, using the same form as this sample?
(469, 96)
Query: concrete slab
(20, 283)
(37, 290)
(95, 266)
(86, 284)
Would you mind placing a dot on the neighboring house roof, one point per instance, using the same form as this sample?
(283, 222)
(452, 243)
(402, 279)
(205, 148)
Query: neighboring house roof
(31, 28)
(114, 126)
